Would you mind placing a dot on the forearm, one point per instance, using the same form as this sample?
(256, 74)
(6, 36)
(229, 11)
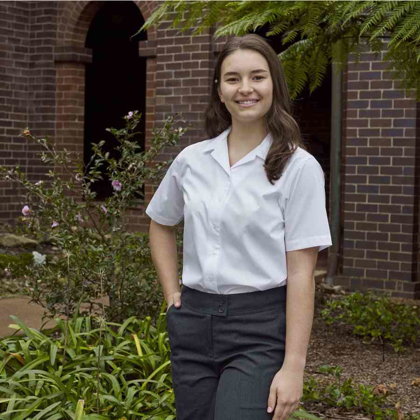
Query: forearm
(165, 257)
(299, 319)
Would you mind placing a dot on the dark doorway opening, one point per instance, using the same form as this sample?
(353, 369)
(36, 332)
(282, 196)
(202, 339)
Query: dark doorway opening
(115, 80)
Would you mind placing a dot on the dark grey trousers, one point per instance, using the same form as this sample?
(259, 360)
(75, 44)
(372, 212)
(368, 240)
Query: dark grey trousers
(225, 351)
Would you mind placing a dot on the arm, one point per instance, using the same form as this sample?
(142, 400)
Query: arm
(287, 386)
(165, 258)
(300, 306)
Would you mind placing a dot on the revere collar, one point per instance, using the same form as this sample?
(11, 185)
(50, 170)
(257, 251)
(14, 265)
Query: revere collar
(220, 153)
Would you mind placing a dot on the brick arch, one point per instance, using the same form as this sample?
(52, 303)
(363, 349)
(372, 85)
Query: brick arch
(76, 18)
(71, 56)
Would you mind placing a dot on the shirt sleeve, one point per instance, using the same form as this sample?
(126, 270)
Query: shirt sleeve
(306, 220)
(167, 205)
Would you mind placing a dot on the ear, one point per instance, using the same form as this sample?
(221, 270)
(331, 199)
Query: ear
(220, 95)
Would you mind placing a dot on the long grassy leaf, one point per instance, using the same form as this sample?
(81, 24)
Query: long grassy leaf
(47, 410)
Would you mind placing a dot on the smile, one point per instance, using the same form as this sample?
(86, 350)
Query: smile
(247, 103)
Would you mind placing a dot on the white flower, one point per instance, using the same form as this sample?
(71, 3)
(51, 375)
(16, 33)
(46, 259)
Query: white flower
(39, 258)
(54, 224)
(39, 183)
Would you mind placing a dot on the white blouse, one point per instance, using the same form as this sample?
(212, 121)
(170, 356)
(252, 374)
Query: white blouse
(237, 226)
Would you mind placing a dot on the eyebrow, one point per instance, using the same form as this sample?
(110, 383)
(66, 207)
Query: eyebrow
(232, 73)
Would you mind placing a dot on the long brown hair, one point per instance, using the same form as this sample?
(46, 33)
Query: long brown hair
(283, 128)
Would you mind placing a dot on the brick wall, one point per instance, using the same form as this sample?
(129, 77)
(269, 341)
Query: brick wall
(380, 211)
(43, 58)
(183, 75)
(15, 22)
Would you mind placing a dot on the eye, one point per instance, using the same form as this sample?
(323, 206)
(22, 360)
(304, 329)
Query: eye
(259, 77)
(232, 79)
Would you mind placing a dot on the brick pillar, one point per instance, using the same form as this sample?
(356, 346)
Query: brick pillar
(184, 66)
(14, 100)
(380, 204)
(70, 97)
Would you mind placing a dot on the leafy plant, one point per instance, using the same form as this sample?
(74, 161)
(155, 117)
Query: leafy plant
(99, 254)
(17, 263)
(119, 370)
(376, 318)
(350, 397)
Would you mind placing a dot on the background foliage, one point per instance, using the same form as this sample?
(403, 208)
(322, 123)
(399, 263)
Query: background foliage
(99, 255)
(313, 33)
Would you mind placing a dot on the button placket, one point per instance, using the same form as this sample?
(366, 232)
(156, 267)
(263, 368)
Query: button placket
(222, 309)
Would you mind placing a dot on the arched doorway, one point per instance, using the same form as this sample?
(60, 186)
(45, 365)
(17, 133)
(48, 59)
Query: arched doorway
(115, 80)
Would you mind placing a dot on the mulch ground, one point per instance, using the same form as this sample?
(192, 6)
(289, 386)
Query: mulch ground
(398, 376)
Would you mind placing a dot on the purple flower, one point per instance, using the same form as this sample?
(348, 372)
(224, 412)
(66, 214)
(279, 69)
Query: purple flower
(116, 185)
(79, 218)
(104, 209)
(26, 211)
(130, 115)
(54, 224)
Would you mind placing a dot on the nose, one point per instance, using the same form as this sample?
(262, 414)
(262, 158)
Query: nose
(245, 87)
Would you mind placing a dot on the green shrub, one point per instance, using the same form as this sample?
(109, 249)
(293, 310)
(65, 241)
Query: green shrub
(376, 318)
(17, 264)
(99, 254)
(119, 370)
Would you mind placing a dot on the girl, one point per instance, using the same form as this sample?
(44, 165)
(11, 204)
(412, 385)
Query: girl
(253, 203)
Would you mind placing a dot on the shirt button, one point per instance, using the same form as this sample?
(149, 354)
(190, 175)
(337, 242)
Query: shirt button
(220, 309)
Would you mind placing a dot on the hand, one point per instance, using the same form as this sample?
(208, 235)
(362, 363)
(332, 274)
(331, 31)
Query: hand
(286, 390)
(176, 300)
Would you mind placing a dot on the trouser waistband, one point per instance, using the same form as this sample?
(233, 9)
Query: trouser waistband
(234, 304)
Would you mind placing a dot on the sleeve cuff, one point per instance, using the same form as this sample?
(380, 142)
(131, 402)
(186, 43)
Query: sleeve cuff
(321, 241)
(161, 220)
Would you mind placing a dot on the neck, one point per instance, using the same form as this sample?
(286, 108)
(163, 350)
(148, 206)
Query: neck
(247, 136)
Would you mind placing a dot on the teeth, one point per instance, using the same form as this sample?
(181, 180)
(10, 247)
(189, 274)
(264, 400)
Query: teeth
(247, 102)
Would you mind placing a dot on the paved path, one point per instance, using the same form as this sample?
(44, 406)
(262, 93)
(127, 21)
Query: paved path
(30, 314)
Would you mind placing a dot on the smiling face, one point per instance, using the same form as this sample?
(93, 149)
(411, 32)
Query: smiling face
(246, 86)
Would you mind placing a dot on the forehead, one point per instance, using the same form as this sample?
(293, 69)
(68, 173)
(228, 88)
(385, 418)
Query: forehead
(243, 61)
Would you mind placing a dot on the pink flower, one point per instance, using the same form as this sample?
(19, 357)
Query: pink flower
(130, 115)
(104, 209)
(116, 185)
(26, 211)
(54, 224)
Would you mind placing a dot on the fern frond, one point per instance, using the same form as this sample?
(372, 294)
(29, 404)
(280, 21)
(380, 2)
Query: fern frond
(377, 16)
(407, 28)
(356, 9)
(401, 9)
(157, 17)
(318, 67)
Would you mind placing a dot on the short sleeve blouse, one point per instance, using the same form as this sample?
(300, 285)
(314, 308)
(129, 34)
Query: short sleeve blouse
(237, 225)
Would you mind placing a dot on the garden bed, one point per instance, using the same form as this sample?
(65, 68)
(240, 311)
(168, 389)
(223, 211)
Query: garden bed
(399, 375)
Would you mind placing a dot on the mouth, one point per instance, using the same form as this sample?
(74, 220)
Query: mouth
(246, 103)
